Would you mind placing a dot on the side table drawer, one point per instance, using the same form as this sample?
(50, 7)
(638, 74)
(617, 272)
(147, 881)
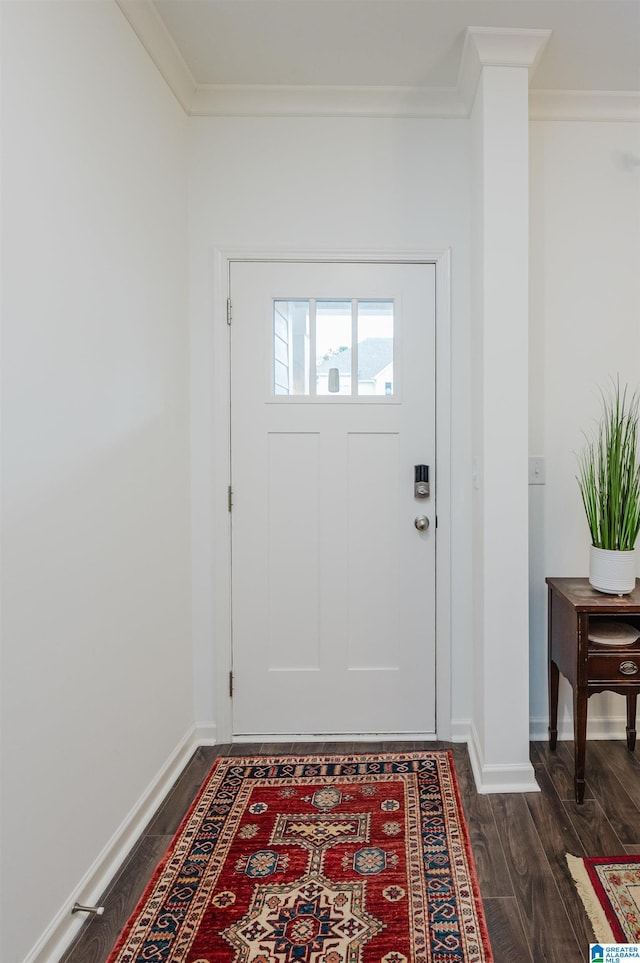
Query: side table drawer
(615, 668)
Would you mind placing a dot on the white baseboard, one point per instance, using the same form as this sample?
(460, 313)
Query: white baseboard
(517, 777)
(64, 927)
(598, 727)
(205, 734)
(461, 730)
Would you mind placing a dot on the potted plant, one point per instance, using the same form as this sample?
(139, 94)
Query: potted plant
(609, 480)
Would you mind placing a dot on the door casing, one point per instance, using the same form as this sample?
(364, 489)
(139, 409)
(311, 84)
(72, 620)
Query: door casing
(218, 465)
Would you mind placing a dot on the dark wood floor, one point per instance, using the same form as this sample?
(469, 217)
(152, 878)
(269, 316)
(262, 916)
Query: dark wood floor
(519, 843)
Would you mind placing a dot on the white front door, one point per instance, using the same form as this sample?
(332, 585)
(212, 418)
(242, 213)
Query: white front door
(333, 585)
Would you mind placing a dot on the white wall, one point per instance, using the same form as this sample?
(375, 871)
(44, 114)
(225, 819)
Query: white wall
(321, 184)
(308, 184)
(96, 628)
(585, 327)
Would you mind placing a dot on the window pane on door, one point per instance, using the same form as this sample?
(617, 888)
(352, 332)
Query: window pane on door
(375, 348)
(334, 326)
(291, 336)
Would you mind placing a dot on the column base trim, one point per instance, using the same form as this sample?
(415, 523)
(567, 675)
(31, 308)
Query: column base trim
(510, 777)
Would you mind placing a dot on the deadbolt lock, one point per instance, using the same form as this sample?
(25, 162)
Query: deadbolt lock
(421, 481)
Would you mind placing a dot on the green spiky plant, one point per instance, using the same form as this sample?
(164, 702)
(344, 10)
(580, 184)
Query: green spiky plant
(609, 472)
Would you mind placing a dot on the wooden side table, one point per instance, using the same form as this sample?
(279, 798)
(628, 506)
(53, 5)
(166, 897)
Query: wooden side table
(590, 667)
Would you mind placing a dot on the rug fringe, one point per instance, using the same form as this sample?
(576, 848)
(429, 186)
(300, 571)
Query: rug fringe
(595, 912)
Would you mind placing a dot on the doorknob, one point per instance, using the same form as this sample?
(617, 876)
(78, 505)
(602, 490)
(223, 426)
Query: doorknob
(421, 522)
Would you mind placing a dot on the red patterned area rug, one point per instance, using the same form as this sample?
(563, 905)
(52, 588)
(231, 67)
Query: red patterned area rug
(316, 859)
(610, 890)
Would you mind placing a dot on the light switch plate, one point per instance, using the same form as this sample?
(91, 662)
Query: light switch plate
(537, 473)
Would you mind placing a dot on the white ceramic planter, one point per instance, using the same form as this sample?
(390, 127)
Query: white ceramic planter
(612, 572)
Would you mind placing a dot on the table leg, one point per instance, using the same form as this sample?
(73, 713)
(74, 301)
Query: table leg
(579, 740)
(554, 676)
(631, 720)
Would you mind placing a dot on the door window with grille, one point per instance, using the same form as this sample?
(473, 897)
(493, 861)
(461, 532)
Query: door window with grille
(329, 348)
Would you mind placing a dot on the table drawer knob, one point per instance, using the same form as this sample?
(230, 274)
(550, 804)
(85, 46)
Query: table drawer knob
(629, 668)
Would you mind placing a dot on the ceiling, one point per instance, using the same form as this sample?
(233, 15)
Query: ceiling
(594, 44)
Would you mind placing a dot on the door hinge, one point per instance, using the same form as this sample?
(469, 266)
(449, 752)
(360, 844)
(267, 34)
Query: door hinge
(231, 685)
(230, 497)
(228, 310)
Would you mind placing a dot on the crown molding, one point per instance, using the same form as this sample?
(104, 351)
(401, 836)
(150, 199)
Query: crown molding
(497, 47)
(159, 44)
(585, 105)
(483, 46)
(322, 101)
(403, 102)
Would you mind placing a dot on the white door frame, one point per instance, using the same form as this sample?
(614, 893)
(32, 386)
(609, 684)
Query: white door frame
(216, 582)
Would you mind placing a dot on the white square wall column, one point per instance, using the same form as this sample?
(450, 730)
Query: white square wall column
(500, 320)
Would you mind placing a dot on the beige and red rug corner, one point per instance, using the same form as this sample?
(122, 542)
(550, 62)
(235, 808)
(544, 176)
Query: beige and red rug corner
(316, 859)
(609, 887)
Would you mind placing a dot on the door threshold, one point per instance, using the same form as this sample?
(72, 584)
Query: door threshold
(335, 737)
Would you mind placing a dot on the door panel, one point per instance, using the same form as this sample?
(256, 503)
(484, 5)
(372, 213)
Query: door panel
(372, 582)
(332, 405)
(293, 589)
